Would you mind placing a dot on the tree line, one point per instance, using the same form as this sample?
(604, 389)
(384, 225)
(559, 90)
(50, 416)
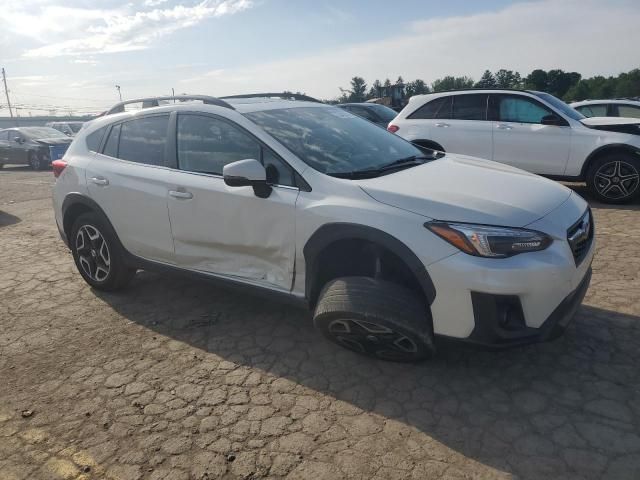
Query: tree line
(569, 86)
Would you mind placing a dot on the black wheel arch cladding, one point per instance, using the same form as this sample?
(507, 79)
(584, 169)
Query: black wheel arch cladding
(333, 232)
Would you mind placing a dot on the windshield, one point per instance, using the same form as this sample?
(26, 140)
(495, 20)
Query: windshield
(560, 105)
(41, 132)
(332, 140)
(385, 113)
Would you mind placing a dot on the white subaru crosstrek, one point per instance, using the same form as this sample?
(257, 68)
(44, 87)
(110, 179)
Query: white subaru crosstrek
(389, 244)
(530, 130)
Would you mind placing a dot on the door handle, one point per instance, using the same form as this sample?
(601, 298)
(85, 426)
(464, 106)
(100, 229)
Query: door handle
(100, 181)
(442, 125)
(180, 194)
(502, 126)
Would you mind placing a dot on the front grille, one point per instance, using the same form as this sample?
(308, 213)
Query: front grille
(580, 236)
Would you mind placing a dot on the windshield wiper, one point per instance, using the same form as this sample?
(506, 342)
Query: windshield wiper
(401, 163)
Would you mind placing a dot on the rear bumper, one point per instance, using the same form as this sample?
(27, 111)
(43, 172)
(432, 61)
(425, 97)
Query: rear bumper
(497, 317)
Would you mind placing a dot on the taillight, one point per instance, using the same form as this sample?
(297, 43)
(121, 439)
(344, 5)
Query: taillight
(393, 128)
(58, 166)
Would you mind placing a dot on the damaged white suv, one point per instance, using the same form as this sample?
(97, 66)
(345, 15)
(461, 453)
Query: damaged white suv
(389, 244)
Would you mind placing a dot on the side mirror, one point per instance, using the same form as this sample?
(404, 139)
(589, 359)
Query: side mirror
(552, 120)
(245, 173)
(17, 139)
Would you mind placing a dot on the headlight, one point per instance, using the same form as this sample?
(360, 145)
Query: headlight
(489, 241)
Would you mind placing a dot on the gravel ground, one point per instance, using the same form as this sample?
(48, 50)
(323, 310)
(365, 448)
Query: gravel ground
(176, 379)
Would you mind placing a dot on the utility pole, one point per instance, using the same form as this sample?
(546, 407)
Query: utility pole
(6, 92)
(173, 94)
(119, 94)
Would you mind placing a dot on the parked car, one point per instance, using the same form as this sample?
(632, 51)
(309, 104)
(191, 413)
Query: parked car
(31, 146)
(530, 130)
(379, 114)
(68, 128)
(389, 244)
(619, 107)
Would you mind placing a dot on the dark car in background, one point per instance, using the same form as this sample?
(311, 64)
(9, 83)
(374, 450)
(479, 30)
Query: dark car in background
(374, 112)
(33, 146)
(68, 128)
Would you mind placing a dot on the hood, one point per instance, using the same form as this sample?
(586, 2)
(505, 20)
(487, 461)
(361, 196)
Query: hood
(54, 141)
(613, 124)
(466, 189)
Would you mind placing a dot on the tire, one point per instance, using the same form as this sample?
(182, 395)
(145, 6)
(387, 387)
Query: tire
(615, 178)
(35, 162)
(98, 254)
(375, 318)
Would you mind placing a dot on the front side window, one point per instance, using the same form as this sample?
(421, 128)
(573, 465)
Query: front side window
(630, 111)
(470, 107)
(439, 108)
(144, 140)
(520, 110)
(207, 144)
(332, 140)
(593, 110)
(559, 105)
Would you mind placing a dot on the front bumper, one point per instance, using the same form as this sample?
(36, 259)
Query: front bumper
(492, 314)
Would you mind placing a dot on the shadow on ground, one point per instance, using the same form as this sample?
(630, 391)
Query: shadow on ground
(7, 219)
(534, 410)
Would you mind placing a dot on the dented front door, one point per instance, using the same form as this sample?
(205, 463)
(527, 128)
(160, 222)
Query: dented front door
(230, 231)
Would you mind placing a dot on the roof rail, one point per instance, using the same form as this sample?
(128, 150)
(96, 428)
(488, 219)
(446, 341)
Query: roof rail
(283, 95)
(155, 102)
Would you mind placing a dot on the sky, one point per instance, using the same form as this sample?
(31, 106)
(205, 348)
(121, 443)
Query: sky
(68, 56)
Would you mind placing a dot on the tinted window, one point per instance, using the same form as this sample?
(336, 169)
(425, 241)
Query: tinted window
(93, 139)
(593, 110)
(144, 140)
(438, 108)
(558, 104)
(628, 111)
(207, 144)
(278, 172)
(4, 136)
(520, 110)
(385, 113)
(111, 146)
(364, 113)
(331, 140)
(470, 107)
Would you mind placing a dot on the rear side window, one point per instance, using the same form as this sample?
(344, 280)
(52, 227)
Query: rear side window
(111, 145)
(593, 110)
(94, 139)
(364, 113)
(470, 107)
(628, 111)
(439, 108)
(520, 110)
(144, 140)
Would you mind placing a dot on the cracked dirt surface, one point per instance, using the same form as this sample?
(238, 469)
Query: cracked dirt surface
(177, 379)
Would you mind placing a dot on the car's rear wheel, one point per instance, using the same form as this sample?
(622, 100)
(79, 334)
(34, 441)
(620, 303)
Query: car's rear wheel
(615, 178)
(375, 318)
(35, 161)
(97, 253)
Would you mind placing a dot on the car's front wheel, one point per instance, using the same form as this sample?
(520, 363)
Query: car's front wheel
(615, 178)
(375, 318)
(97, 253)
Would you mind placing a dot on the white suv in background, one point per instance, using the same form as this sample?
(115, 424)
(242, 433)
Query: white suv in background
(389, 244)
(530, 130)
(617, 107)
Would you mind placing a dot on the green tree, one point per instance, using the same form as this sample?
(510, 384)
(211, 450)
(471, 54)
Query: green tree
(559, 82)
(486, 81)
(508, 79)
(399, 80)
(580, 91)
(451, 83)
(375, 91)
(417, 87)
(537, 80)
(358, 90)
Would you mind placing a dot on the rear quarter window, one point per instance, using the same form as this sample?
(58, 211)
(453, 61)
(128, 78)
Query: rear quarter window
(438, 108)
(94, 139)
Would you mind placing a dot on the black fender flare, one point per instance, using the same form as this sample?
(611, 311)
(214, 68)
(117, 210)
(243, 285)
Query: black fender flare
(602, 149)
(332, 232)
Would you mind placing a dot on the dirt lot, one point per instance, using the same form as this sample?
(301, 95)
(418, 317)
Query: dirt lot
(176, 379)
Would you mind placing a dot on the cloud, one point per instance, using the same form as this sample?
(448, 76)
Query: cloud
(69, 31)
(568, 34)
